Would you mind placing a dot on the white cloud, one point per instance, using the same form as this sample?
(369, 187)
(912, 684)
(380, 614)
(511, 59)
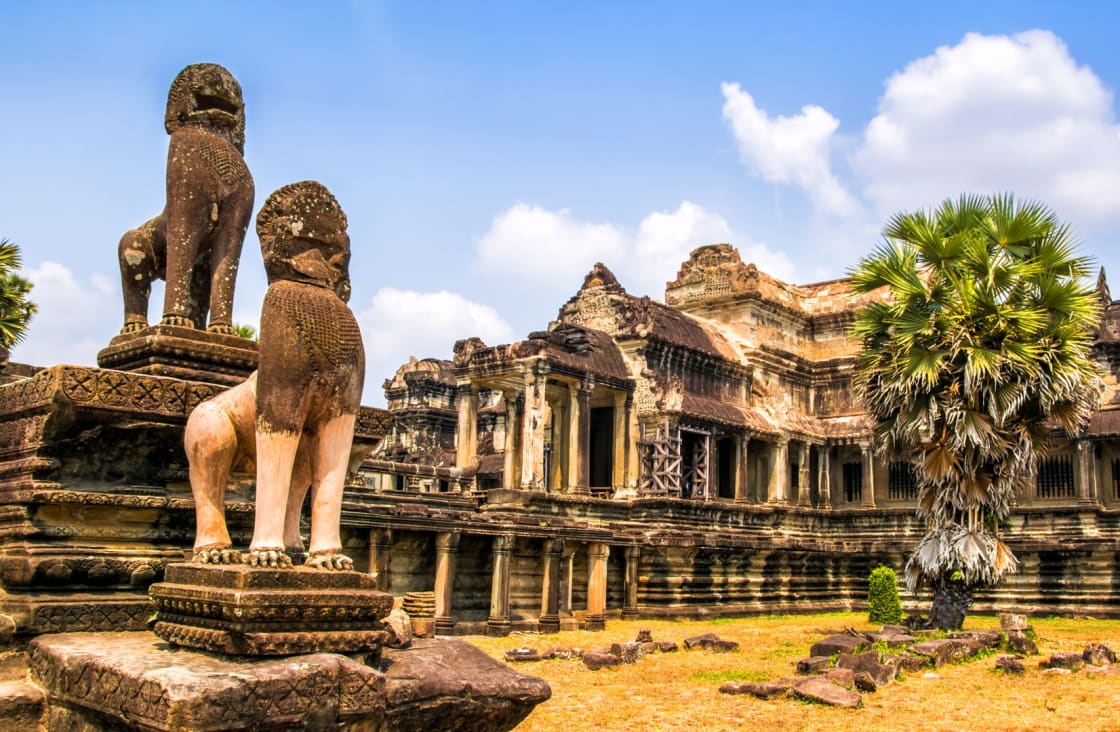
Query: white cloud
(795, 150)
(76, 318)
(402, 323)
(538, 243)
(990, 114)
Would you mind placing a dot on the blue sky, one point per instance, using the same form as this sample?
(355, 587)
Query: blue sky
(487, 154)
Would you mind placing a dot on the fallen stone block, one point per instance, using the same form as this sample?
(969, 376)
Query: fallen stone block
(841, 676)
(822, 691)
(667, 646)
(893, 640)
(562, 654)
(596, 660)
(723, 646)
(760, 691)
(984, 638)
(699, 641)
(867, 663)
(1013, 621)
(644, 636)
(522, 655)
(1098, 654)
(1018, 641)
(627, 652)
(399, 626)
(864, 682)
(943, 650)
(813, 665)
(839, 643)
(1071, 660)
(1010, 664)
(907, 663)
(648, 648)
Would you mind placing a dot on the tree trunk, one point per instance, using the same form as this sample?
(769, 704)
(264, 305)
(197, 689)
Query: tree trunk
(951, 601)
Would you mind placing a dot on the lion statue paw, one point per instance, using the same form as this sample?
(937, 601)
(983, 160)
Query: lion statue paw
(332, 559)
(268, 558)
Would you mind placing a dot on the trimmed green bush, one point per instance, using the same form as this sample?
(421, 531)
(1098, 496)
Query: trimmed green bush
(883, 603)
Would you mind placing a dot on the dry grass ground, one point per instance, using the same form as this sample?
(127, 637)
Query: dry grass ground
(679, 691)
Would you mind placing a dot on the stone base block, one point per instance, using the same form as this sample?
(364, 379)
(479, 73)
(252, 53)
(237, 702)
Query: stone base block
(131, 681)
(244, 610)
(184, 353)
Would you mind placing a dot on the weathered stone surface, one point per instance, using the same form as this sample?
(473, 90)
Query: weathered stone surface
(813, 665)
(699, 641)
(841, 676)
(399, 627)
(908, 663)
(598, 659)
(450, 684)
(839, 643)
(821, 690)
(627, 652)
(121, 681)
(867, 663)
(244, 610)
(1018, 641)
(522, 654)
(943, 650)
(892, 639)
(21, 705)
(1010, 664)
(667, 646)
(1098, 654)
(865, 682)
(1013, 621)
(760, 691)
(982, 638)
(644, 636)
(1066, 659)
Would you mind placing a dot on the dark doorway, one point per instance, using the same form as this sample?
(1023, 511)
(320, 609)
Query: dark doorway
(601, 466)
(725, 467)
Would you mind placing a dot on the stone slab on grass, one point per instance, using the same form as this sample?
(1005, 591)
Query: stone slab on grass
(813, 665)
(601, 658)
(1010, 664)
(839, 643)
(822, 691)
(759, 691)
(943, 650)
(868, 663)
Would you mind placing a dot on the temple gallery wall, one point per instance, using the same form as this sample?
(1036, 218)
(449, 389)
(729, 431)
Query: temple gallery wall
(698, 457)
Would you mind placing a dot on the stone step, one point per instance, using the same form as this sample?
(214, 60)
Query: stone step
(21, 706)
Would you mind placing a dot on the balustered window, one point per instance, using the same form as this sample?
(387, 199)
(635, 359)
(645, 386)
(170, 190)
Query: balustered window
(1055, 477)
(901, 483)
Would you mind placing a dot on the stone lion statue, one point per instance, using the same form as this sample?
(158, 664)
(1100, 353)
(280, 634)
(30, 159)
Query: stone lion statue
(312, 366)
(195, 242)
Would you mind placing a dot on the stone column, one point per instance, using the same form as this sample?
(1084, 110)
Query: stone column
(559, 467)
(867, 458)
(597, 585)
(630, 589)
(824, 478)
(447, 546)
(803, 475)
(742, 470)
(549, 621)
(499, 622)
(621, 440)
(532, 433)
(380, 552)
(779, 459)
(711, 472)
(510, 477)
(1086, 473)
(579, 437)
(466, 445)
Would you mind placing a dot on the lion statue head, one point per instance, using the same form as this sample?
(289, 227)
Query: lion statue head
(207, 96)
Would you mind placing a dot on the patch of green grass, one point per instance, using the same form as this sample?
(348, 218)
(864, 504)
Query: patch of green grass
(723, 621)
(718, 677)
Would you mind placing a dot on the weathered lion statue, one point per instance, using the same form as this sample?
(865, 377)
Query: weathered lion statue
(195, 242)
(312, 366)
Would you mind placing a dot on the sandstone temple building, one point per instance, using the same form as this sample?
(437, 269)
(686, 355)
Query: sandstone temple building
(696, 457)
(699, 457)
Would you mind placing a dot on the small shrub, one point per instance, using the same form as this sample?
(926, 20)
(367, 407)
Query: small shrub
(883, 603)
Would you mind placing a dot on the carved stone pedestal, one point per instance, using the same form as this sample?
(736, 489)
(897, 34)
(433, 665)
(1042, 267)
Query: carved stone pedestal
(242, 610)
(185, 353)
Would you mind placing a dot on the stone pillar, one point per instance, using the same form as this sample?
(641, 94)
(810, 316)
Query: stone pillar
(1086, 473)
(559, 467)
(499, 622)
(779, 468)
(466, 445)
(742, 470)
(447, 546)
(711, 473)
(597, 585)
(867, 458)
(380, 553)
(549, 621)
(803, 475)
(510, 477)
(579, 438)
(630, 590)
(824, 478)
(621, 440)
(532, 433)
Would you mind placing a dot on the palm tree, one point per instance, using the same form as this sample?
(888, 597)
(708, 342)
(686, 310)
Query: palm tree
(977, 349)
(15, 309)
